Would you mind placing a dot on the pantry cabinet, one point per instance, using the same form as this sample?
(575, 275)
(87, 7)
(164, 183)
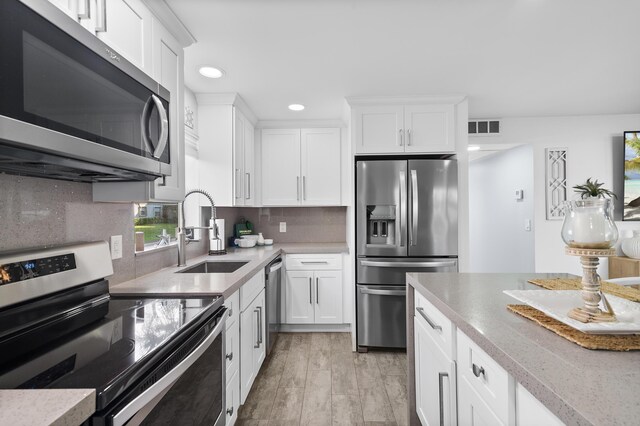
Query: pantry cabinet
(301, 167)
(226, 149)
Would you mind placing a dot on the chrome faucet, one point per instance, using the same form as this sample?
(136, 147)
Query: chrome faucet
(216, 246)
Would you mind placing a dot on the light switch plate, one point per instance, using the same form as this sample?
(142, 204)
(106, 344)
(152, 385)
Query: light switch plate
(283, 226)
(116, 247)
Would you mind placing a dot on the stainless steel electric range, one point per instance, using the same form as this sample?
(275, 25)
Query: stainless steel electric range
(151, 360)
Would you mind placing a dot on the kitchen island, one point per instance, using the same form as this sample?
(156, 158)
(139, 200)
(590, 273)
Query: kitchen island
(577, 385)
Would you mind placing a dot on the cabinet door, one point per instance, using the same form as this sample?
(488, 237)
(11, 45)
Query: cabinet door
(125, 26)
(435, 380)
(328, 309)
(429, 128)
(238, 157)
(379, 129)
(281, 167)
(233, 399)
(472, 410)
(70, 7)
(320, 162)
(169, 71)
(260, 352)
(531, 412)
(299, 296)
(249, 164)
(232, 350)
(248, 339)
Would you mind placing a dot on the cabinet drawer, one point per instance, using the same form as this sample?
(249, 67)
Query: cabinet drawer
(232, 399)
(233, 305)
(492, 383)
(313, 262)
(439, 327)
(472, 409)
(232, 349)
(250, 290)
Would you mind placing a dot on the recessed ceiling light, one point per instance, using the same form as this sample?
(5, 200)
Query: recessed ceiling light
(211, 72)
(473, 148)
(296, 107)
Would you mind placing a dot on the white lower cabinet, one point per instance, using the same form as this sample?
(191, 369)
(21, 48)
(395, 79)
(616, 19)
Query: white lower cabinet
(472, 409)
(531, 412)
(252, 343)
(233, 398)
(232, 357)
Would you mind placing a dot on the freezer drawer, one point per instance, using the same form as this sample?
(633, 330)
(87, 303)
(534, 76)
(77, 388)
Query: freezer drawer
(393, 270)
(382, 316)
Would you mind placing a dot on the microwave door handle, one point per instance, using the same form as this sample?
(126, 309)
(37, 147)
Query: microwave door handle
(164, 127)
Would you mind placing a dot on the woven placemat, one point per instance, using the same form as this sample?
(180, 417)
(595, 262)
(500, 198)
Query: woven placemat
(625, 292)
(610, 342)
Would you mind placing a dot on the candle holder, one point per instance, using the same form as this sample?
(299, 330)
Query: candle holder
(596, 307)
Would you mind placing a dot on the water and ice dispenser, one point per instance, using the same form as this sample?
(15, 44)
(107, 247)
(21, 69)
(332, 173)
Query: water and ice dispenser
(381, 225)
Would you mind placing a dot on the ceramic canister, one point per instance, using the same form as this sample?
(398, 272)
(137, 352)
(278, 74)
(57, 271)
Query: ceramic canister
(631, 246)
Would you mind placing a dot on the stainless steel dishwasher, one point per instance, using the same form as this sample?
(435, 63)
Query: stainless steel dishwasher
(273, 280)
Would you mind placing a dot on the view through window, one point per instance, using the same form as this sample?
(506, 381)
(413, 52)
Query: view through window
(153, 218)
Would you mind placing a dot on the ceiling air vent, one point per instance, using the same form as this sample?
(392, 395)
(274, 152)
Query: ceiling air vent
(484, 127)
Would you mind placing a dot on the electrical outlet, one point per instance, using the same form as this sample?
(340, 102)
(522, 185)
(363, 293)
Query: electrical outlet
(283, 226)
(116, 247)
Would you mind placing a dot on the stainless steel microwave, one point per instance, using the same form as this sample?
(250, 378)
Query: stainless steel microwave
(72, 108)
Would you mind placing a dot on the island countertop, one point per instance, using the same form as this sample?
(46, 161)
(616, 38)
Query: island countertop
(580, 386)
(168, 282)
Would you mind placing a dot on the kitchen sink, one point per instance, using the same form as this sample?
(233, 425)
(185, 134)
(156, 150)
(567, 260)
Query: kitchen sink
(219, 267)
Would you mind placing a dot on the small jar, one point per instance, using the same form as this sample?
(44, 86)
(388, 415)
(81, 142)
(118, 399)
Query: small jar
(260, 239)
(631, 246)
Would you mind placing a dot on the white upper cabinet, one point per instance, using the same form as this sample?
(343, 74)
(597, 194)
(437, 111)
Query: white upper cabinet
(125, 25)
(226, 149)
(301, 167)
(404, 125)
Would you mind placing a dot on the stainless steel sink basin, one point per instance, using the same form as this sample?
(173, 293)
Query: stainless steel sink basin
(219, 267)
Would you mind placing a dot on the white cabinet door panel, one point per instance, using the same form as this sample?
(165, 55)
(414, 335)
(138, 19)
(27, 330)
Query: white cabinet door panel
(321, 166)
(248, 339)
(238, 157)
(531, 412)
(328, 309)
(260, 351)
(281, 167)
(472, 410)
(299, 296)
(429, 128)
(249, 164)
(233, 399)
(379, 129)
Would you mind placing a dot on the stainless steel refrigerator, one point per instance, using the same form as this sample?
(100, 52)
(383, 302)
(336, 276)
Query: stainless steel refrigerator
(406, 221)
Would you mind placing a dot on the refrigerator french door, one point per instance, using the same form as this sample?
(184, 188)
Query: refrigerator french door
(406, 221)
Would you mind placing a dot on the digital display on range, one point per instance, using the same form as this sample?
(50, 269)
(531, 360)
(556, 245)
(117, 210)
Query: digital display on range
(28, 269)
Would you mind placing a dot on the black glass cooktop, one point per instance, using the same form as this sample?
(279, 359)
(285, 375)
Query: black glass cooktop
(121, 340)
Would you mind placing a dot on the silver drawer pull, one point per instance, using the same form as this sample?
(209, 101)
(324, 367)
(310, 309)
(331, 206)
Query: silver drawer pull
(477, 371)
(309, 262)
(229, 356)
(230, 411)
(431, 323)
(441, 395)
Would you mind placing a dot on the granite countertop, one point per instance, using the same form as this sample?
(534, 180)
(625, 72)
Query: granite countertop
(167, 281)
(580, 386)
(60, 407)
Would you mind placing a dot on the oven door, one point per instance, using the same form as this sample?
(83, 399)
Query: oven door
(192, 392)
(65, 92)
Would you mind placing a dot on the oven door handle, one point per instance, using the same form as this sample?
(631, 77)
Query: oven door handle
(166, 381)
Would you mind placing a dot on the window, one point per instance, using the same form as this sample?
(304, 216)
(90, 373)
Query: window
(153, 219)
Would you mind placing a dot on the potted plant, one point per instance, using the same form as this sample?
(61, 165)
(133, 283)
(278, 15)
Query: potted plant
(588, 221)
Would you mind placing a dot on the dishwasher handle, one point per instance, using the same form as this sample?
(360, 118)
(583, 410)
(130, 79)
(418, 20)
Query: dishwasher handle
(275, 266)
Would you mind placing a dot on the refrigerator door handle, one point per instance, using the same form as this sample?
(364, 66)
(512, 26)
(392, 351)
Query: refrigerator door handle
(403, 202)
(413, 235)
(407, 264)
(375, 292)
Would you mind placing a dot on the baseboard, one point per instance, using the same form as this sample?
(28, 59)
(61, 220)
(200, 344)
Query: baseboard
(311, 328)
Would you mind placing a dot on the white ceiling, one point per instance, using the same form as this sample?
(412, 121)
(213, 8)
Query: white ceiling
(511, 57)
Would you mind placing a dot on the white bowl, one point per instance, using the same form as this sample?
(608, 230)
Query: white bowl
(268, 241)
(249, 237)
(245, 243)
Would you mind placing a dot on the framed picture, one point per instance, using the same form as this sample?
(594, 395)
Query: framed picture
(631, 175)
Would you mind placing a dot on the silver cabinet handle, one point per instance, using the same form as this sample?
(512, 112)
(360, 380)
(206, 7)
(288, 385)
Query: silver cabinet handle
(408, 137)
(431, 323)
(298, 188)
(477, 371)
(314, 262)
(248, 186)
(304, 196)
(383, 292)
(408, 264)
(230, 411)
(413, 235)
(310, 301)
(317, 285)
(260, 337)
(229, 356)
(400, 137)
(257, 345)
(238, 184)
(230, 312)
(157, 150)
(403, 199)
(441, 395)
(101, 16)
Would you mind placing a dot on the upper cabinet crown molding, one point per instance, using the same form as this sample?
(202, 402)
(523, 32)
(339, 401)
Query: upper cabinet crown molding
(227, 99)
(305, 124)
(405, 100)
(165, 15)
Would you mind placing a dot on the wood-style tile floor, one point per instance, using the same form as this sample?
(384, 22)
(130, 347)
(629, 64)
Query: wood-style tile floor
(315, 379)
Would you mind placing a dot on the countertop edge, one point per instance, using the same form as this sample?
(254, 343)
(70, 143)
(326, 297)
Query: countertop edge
(43, 406)
(537, 388)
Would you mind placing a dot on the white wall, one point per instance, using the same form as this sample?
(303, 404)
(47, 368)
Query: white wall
(595, 150)
(498, 241)
(191, 177)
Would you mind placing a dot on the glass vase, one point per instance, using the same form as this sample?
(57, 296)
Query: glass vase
(588, 224)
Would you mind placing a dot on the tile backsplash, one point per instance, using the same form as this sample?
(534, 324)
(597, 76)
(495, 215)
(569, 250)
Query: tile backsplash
(38, 212)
